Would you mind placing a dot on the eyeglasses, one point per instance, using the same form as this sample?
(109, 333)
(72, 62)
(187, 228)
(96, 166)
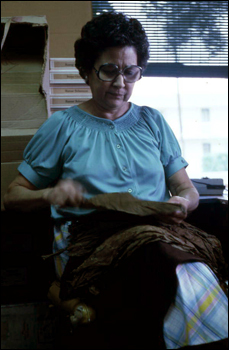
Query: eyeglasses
(110, 71)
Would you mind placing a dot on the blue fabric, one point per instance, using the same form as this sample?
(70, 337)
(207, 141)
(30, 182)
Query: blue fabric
(135, 153)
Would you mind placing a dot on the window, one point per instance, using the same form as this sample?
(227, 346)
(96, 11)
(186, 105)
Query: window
(185, 116)
(186, 77)
(205, 114)
(206, 148)
(187, 38)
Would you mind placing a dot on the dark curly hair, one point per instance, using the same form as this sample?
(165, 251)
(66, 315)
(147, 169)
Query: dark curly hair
(111, 29)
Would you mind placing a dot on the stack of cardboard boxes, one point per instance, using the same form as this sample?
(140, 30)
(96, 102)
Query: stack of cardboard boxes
(32, 88)
(67, 88)
(25, 101)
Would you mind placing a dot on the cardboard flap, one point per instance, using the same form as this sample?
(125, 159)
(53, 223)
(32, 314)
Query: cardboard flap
(6, 22)
(36, 20)
(25, 71)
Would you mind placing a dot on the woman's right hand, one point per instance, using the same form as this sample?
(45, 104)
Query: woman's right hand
(66, 193)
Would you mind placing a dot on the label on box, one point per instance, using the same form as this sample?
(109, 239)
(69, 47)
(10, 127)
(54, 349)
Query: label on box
(62, 63)
(67, 101)
(69, 90)
(66, 77)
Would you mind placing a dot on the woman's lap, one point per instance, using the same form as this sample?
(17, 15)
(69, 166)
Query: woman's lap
(146, 283)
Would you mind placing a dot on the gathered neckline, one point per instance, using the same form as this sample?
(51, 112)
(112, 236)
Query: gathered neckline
(124, 122)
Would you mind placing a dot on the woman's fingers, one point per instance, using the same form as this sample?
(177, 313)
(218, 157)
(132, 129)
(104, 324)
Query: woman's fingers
(67, 193)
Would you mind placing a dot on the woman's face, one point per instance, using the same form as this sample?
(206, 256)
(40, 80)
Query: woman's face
(113, 96)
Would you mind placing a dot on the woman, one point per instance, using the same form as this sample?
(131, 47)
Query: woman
(106, 145)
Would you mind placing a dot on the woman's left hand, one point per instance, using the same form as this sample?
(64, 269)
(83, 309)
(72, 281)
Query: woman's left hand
(183, 192)
(179, 215)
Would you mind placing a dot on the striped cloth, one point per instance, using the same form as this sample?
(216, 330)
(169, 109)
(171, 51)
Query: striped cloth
(200, 312)
(61, 240)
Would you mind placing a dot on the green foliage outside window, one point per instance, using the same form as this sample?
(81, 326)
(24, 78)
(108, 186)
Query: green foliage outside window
(216, 162)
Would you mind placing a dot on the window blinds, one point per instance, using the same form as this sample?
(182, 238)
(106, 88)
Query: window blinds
(187, 38)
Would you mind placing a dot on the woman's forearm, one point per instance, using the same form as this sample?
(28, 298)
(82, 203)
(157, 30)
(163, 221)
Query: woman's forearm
(192, 195)
(24, 196)
(25, 200)
(182, 190)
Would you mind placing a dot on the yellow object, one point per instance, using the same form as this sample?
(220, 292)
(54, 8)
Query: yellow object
(79, 312)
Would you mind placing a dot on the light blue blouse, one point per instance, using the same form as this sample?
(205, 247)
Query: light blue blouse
(135, 153)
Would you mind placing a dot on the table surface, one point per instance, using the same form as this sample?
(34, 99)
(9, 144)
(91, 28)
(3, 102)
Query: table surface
(211, 199)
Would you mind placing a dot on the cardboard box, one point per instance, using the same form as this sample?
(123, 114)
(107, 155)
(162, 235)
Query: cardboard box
(24, 73)
(25, 88)
(67, 88)
(12, 146)
(65, 20)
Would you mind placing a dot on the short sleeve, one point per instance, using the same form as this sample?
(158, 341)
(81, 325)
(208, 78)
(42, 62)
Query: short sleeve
(42, 156)
(170, 151)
